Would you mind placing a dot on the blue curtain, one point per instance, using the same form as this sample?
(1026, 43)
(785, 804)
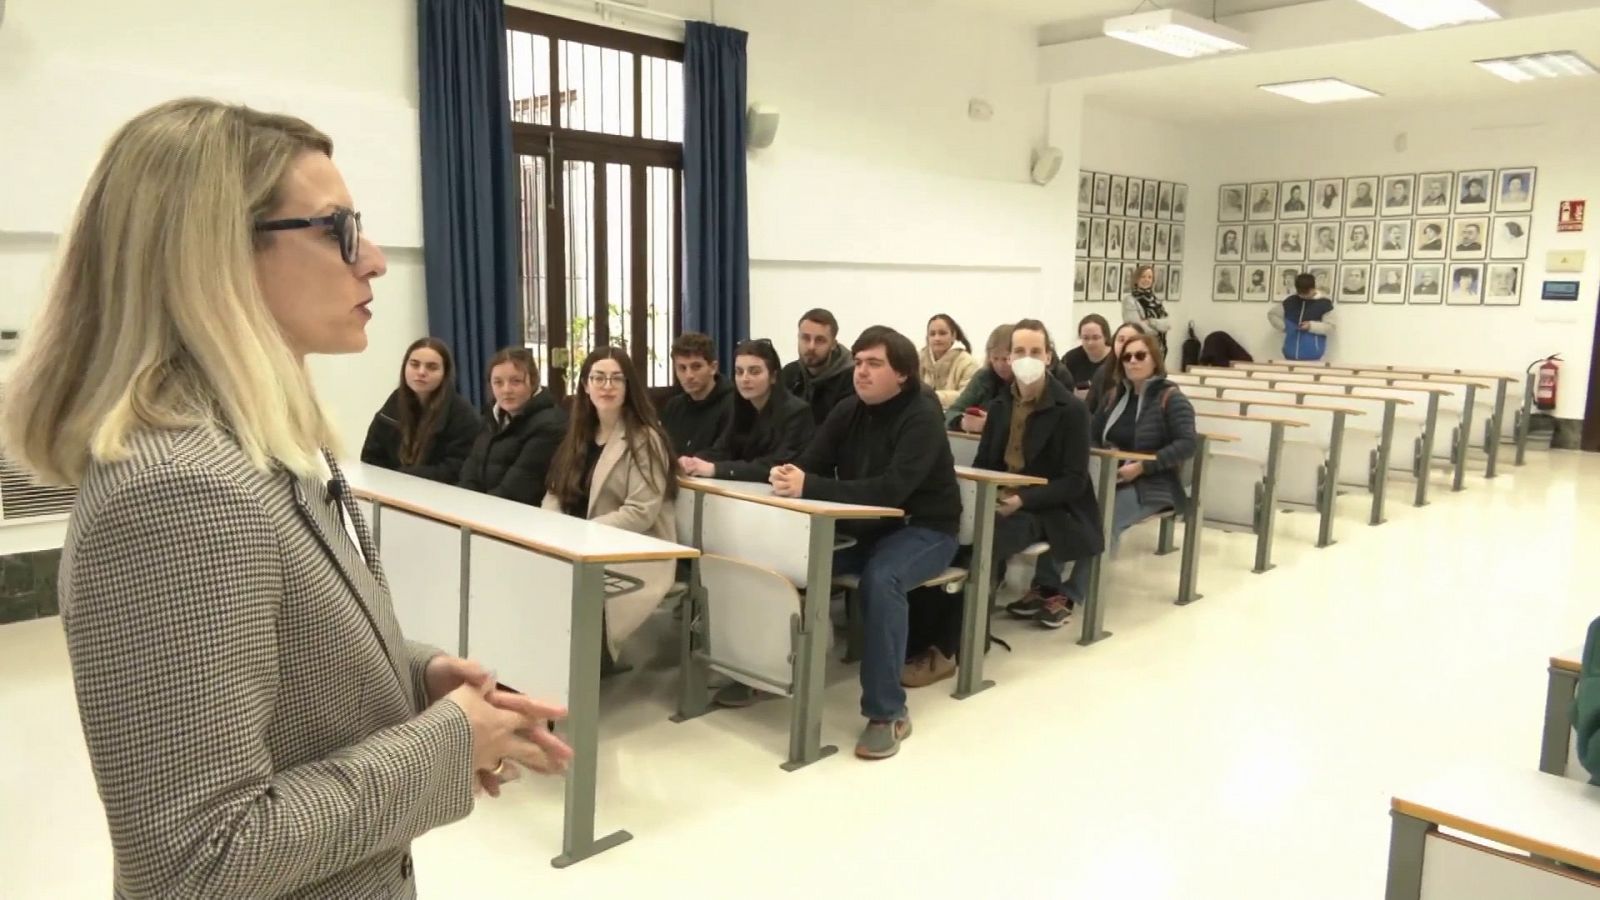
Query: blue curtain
(469, 188)
(716, 232)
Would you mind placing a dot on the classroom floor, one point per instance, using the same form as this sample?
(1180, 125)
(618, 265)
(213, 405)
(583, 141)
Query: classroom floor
(1243, 747)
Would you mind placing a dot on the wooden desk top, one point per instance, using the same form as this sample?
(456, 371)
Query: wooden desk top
(964, 435)
(1365, 367)
(1281, 387)
(1546, 815)
(1124, 455)
(548, 533)
(1570, 660)
(1246, 417)
(1278, 404)
(1002, 478)
(759, 492)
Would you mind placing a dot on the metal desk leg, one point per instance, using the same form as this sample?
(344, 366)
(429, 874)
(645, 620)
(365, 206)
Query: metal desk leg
(1408, 838)
(1423, 468)
(693, 694)
(1464, 441)
(1380, 477)
(1094, 605)
(1267, 515)
(1330, 485)
(582, 727)
(1525, 419)
(1497, 427)
(975, 612)
(811, 663)
(1165, 532)
(1556, 745)
(1193, 521)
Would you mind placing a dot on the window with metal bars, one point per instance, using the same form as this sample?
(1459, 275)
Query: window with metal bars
(597, 124)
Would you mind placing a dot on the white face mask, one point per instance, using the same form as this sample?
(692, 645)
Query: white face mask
(1027, 370)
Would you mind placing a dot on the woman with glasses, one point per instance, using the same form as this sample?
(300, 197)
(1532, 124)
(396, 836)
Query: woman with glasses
(512, 454)
(1142, 412)
(769, 426)
(1084, 360)
(257, 723)
(1102, 375)
(425, 428)
(615, 467)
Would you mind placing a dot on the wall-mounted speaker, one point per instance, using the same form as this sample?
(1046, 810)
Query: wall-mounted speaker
(1046, 163)
(760, 126)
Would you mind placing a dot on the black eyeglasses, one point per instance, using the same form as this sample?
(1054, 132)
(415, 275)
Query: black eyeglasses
(345, 224)
(1135, 356)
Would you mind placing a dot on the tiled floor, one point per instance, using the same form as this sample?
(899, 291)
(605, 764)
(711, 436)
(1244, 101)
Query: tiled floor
(1243, 747)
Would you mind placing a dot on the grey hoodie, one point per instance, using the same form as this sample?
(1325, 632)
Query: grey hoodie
(823, 391)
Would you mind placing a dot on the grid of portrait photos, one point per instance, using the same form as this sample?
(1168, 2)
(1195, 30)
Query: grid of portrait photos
(1125, 221)
(1427, 239)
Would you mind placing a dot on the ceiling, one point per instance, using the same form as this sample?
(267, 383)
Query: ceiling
(1083, 17)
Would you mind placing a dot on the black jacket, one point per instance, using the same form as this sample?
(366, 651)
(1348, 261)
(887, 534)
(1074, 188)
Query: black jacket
(780, 431)
(825, 391)
(892, 454)
(1055, 447)
(1164, 428)
(512, 462)
(694, 424)
(1080, 367)
(446, 451)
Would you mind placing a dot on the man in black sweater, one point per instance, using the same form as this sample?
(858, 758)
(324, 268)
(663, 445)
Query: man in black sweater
(885, 446)
(821, 374)
(698, 414)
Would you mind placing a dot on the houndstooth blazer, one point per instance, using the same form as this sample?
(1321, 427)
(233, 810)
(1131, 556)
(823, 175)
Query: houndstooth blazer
(256, 722)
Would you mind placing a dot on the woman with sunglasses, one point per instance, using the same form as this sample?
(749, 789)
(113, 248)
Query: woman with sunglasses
(1142, 412)
(615, 467)
(511, 456)
(425, 428)
(1102, 375)
(769, 427)
(256, 721)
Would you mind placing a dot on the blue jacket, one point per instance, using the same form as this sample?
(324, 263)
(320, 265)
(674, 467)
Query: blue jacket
(1317, 313)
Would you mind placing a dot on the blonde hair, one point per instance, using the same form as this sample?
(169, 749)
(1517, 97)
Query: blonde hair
(155, 319)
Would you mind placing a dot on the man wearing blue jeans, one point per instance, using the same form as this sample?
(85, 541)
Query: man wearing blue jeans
(885, 446)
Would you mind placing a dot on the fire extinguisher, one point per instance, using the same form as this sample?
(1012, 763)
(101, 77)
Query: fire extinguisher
(1544, 390)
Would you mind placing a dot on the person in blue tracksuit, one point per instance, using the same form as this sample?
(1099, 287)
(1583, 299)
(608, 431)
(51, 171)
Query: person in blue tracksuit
(1305, 318)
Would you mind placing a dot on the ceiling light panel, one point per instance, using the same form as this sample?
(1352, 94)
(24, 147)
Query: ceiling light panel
(1319, 90)
(1424, 14)
(1535, 66)
(1175, 32)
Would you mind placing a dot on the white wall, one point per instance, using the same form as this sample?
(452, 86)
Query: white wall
(1542, 133)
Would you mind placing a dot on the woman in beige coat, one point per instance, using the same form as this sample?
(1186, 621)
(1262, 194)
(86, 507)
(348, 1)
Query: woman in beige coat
(615, 467)
(947, 363)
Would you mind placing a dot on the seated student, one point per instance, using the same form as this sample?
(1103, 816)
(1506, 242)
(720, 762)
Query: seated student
(425, 428)
(885, 447)
(512, 453)
(615, 467)
(769, 425)
(990, 382)
(946, 363)
(1141, 412)
(1094, 345)
(1097, 384)
(1040, 428)
(821, 376)
(695, 416)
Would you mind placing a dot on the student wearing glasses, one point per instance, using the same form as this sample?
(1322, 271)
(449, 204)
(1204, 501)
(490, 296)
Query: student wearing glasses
(615, 467)
(512, 455)
(769, 426)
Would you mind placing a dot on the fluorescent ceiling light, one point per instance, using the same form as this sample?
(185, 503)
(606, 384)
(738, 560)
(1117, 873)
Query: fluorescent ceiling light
(1319, 90)
(1176, 32)
(1554, 64)
(1424, 14)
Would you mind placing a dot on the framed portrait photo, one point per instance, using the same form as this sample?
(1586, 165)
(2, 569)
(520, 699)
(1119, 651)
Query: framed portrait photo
(1164, 201)
(1466, 284)
(1394, 239)
(1429, 237)
(1291, 241)
(1324, 242)
(1257, 285)
(1324, 278)
(1163, 240)
(1295, 198)
(1513, 190)
(1097, 238)
(1225, 283)
(1434, 193)
(1503, 285)
(1283, 277)
(1175, 251)
(1135, 204)
(1510, 237)
(1085, 191)
(1180, 202)
(1097, 281)
(1358, 240)
(1427, 284)
(1398, 195)
(1174, 283)
(1231, 202)
(1361, 196)
(1147, 241)
(1472, 191)
(1469, 238)
(1114, 239)
(1259, 242)
(1151, 189)
(1264, 201)
(1389, 283)
(1160, 285)
(1118, 205)
(1080, 280)
(1327, 198)
(1230, 243)
(1130, 238)
(1355, 283)
(1114, 273)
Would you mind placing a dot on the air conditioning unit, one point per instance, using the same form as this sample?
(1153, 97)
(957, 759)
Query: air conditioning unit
(25, 501)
